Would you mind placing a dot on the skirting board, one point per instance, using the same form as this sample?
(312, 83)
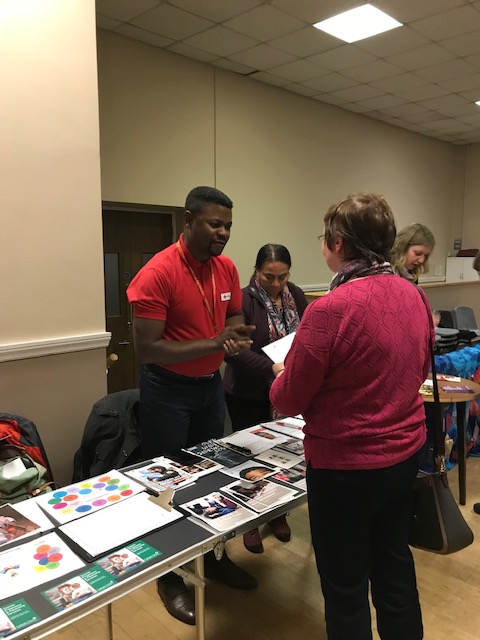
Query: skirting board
(53, 346)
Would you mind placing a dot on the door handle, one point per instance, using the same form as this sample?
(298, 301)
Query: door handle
(124, 343)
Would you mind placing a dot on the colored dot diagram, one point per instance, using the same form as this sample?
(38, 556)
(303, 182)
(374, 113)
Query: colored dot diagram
(89, 495)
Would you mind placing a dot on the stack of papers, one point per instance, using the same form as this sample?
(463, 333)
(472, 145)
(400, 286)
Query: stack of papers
(112, 528)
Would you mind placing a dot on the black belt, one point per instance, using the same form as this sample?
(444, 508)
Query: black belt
(171, 375)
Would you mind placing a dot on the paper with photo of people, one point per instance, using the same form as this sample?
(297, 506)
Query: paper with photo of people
(194, 466)
(251, 471)
(161, 474)
(294, 476)
(259, 496)
(218, 511)
(293, 445)
(214, 450)
(279, 458)
(253, 440)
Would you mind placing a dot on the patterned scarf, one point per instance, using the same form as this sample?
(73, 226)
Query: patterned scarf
(359, 269)
(281, 320)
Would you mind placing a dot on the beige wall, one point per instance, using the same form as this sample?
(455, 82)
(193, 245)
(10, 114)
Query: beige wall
(56, 393)
(51, 259)
(156, 122)
(169, 123)
(471, 222)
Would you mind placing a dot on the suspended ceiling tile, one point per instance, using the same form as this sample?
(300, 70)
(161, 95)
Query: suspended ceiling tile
(464, 83)
(444, 102)
(408, 10)
(372, 71)
(393, 42)
(447, 70)
(305, 42)
(330, 99)
(342, 57)
(381, 102)
(125, 10)
(356, 107)
(425, 56)
(298, 70)
(459, 110)
(451, 23)
(422, 92)
(263, 76)
(403, 110)
(464, 45)
(378, 115)
(192, 52)
(361, 92)
(473, 119)
(399, 83)
(301, 89)
(472, 95)
(422, 117)
(264, 23)
(331, 82)
(313, 10)
(474, 59)
(221, 41)
(236, 67)
(449, 125)
(171, 22)
(262, 57)
(215, 10)
(144, 36)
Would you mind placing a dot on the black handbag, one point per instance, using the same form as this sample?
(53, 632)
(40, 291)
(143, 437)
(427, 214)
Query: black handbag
(437, 523)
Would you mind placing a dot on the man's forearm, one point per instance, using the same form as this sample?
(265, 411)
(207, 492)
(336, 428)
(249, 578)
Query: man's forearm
(172, 352)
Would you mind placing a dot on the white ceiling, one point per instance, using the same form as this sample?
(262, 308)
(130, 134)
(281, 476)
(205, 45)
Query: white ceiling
(424, 76)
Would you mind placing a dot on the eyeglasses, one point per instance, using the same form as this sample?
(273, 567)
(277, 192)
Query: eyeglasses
(321, 237)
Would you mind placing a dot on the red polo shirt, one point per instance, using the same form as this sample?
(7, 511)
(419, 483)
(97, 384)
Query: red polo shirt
(164, 289)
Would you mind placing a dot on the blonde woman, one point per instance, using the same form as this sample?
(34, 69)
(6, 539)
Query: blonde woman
(411, 250)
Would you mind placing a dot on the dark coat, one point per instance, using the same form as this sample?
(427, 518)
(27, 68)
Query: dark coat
(249, 374)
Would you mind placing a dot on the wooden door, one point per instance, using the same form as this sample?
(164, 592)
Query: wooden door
(130, 239)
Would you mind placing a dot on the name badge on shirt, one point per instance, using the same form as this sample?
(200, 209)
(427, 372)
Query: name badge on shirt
(225, 296)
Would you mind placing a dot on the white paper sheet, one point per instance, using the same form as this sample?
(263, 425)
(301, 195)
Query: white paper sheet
(277, 351)
(35, 562)
(123, 522)
(29, 519)
(86, 497)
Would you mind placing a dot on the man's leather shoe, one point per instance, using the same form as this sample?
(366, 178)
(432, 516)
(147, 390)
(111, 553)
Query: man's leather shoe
(227, 572)
(280, 528)
(252, 541)
(177, 598)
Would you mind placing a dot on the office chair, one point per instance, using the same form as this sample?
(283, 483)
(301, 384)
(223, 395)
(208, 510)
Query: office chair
(467, 324)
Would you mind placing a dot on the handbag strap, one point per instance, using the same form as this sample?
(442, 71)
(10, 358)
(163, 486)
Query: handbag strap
(438, 440)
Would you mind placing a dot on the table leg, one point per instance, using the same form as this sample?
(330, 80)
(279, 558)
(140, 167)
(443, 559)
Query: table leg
(110, 621)
(462, 447)
(200, 598)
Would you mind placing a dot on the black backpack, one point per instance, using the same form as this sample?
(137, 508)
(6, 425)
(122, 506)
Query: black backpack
(111, 439)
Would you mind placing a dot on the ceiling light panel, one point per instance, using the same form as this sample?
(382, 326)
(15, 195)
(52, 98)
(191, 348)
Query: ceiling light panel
(358, 24)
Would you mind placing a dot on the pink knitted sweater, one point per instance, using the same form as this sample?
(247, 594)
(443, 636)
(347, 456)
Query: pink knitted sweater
(354, 371)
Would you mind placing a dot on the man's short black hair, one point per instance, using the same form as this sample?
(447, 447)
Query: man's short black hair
(201, 197)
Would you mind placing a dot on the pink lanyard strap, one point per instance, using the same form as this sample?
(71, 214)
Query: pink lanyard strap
(211, 312)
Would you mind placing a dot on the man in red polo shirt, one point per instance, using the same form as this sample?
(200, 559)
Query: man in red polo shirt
(187, 307)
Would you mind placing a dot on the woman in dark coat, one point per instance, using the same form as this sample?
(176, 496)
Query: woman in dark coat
(275, 307)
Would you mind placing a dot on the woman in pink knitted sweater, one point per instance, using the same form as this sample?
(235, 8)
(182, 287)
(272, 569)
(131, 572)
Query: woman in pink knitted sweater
(354, 371)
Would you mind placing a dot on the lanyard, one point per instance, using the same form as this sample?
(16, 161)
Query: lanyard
(200, 288)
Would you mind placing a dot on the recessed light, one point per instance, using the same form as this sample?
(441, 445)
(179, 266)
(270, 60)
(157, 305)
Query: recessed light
(358, 24)
(478, 102)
